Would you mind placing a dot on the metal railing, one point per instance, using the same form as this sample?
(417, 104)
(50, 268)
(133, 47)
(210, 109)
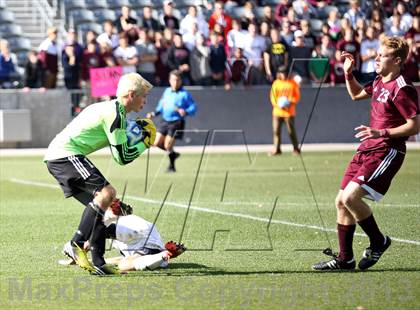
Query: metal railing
(43, 13)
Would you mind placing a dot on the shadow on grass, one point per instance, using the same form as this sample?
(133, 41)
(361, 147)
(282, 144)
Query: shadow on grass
(198, 270)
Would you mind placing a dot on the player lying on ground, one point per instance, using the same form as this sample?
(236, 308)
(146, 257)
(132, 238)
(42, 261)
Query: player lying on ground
(138, 241)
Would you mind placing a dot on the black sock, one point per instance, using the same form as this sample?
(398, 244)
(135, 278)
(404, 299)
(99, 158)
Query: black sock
(371, 229)
(87, 221)
(171, 159)
(97, 242)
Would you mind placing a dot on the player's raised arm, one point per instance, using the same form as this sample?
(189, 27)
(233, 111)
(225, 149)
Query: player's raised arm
(354, 89)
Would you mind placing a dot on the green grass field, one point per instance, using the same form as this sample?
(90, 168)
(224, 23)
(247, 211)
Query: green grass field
(236, 260)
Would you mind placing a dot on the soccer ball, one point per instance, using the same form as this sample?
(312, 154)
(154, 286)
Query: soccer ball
(134, 132)
(283, 102)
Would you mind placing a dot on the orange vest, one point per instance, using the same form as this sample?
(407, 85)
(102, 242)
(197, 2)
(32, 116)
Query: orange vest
(286, 88)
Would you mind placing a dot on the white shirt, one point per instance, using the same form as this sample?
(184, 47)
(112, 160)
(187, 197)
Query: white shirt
(134, 233)
(48, 46)
(125, 53)
(254, 49)
(368, 65)
(236, 38)
(187, 24)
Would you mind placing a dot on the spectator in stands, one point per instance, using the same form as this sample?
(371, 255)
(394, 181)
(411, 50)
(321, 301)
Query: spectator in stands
(125, 21)
(350, 45)
(108, 35)
(300, 51)
(268, 17)
(265, 32)
(106, 56)
(193, 18)
(8, 72)
(309, 38)
(281, 11)
(236, 36)
(255, 46)
(179, 58)
(126, 55)
(34, 72)
(354, 13)
(411, 67)
(302, 9)
(286, 33)
(189, 38)
(284, 95)
(71, 39)
(248, 15)
(276, 55)
(327, 47)
(318, 8)
(406, 17)
(217, 60)
(147, 57)
(162, 44)
(318, 66)
(293, 20)
(360, 30)
(395, 29)
(335, 24)
(200, 62)
(48, 54)
(368, 52)
(168, 20)
(237, 69)
(220, 17)
(71, 63)
(90, 37)
(147, 21)
(336, 69)
(414, 32)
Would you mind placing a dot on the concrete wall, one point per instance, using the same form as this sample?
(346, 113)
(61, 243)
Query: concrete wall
(333, 120)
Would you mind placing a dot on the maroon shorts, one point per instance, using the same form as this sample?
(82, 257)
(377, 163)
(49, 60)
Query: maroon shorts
(374, 170)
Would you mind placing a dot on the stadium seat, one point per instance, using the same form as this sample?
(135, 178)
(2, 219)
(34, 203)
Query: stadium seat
(259, 12)
(96, 4)
(19, 44)
(84, 27)
(137, 4)
(316, 24)
(102, 15)
(237, 12)
(80, 16)
(117, 4)
(271, 3)
(186, 3)
(70, 5)
(6, 17)
(2, 4)
(10, 30)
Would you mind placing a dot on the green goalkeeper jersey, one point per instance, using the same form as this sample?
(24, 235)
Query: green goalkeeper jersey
(97, 126)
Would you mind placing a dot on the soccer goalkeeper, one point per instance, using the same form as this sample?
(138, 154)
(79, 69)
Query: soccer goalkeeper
(99, 125)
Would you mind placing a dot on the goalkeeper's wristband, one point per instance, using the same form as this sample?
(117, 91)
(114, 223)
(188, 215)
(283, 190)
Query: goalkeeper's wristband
(348, 76)
(384, 133)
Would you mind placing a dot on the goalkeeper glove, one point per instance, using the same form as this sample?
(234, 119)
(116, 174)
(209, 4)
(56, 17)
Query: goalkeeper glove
(149, 130)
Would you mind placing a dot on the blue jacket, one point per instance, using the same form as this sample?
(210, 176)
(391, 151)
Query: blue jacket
(171, 101)
(6, 67)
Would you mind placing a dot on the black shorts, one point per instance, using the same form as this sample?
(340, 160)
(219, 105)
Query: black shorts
(173, 129)
(76, 174)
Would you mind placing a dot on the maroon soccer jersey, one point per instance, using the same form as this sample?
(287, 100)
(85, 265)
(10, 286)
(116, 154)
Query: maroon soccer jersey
(392, 104)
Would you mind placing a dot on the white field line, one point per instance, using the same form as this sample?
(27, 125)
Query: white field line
(207, 210)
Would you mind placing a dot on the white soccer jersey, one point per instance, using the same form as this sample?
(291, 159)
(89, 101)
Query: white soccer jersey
(134, 233)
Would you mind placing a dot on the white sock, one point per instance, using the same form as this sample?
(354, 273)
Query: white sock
(150, 261)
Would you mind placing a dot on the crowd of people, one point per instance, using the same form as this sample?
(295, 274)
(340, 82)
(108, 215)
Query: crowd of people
(210, 47)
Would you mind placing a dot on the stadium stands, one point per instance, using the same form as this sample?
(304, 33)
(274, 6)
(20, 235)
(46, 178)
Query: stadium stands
(102, 15)
(96, 4)
(10, 30)
(19, 44)
(6, 16)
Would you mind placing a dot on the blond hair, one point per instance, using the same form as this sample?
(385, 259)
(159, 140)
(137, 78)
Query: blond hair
(133, 82)
(398, 45)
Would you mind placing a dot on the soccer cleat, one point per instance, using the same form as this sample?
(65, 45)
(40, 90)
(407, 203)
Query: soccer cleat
(335, 264)
(104, 270)
(170, 169)
(175, 249)
(371, 257)
(81, 258)
(68, 250)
